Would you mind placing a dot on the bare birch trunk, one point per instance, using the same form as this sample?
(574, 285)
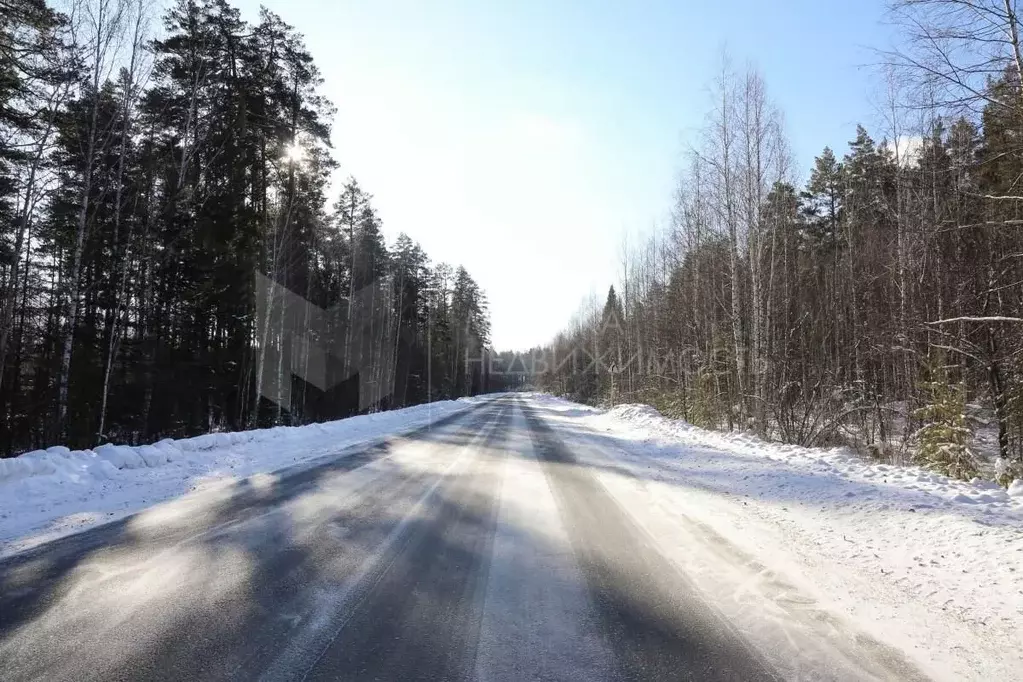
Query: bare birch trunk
(104, 27)
(126, 112)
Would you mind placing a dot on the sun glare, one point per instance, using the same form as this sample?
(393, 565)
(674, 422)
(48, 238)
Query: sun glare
(294, 153)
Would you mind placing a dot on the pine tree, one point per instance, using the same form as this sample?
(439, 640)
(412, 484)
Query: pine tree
(943, 440)
(823, 204)
(610, 356)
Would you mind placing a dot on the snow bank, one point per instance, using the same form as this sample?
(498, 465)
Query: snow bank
(45, 494)
(987, 497)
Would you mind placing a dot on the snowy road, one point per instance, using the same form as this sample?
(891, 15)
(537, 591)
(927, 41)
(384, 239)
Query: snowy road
(491, 546)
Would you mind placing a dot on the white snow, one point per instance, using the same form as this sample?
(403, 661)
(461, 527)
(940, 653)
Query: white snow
(931, 565)
(993, 504)
(46, 494)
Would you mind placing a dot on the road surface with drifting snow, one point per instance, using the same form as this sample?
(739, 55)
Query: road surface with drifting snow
(490, 546)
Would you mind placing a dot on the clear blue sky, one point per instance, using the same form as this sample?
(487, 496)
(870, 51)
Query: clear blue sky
(523, 139)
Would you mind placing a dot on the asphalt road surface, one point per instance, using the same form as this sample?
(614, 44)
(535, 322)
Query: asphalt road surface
(477, 549)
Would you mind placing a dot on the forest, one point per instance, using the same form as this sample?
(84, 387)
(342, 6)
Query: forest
(876, 303)
(148, 173)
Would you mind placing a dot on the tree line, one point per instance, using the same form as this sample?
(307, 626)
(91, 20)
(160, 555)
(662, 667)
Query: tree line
(868, 305)
(144, 181)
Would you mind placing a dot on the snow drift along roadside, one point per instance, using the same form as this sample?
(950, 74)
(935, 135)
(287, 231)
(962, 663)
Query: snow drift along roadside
(46, 494)
(988, 496)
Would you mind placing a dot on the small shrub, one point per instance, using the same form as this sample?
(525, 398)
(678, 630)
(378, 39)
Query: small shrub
(942, 441)
(705, 408)
(1007, 471)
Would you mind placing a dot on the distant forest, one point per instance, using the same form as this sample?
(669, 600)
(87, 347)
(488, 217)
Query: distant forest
(147, 174)
(870, 304)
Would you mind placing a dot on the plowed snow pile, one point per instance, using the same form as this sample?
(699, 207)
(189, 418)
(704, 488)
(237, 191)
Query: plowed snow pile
(46, 494)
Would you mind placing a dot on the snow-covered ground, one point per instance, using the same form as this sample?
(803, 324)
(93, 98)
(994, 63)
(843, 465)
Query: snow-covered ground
(47, 494)
(930, 565)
